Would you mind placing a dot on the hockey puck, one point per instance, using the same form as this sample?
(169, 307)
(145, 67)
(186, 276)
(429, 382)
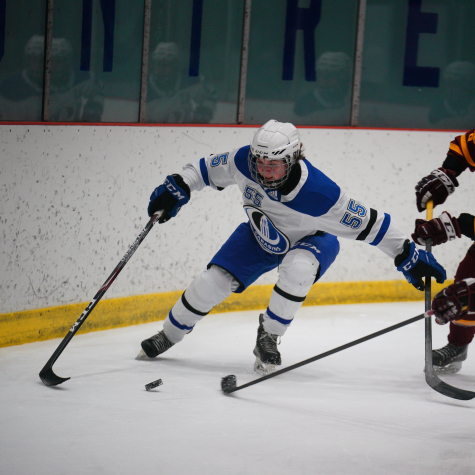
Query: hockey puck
(153, 384)
(228, 384)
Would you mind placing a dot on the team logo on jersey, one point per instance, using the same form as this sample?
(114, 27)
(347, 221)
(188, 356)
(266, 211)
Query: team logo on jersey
(267, 235)
(273, 194)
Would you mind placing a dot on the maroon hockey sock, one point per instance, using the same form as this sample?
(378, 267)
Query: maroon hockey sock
(466, 267)
(459, 335)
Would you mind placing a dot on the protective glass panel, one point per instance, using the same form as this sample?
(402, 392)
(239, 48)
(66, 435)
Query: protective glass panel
(418, 65)
(195, 51)
(96, 61)
(301, 62)
(22, 60)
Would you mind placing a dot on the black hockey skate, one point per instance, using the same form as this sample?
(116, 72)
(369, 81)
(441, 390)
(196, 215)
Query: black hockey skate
(449, 358)
(266, 352)
(156, 345)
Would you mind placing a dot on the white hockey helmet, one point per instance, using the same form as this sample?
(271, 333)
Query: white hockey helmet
(279, 142)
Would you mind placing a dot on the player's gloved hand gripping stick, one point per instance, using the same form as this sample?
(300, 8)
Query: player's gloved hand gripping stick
(47, 374)
(169, 197)
(229, 383)
(431, 377)
(165, 202)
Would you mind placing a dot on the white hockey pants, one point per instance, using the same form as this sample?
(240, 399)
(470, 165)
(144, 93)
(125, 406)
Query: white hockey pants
(210, 288)
(297, 274)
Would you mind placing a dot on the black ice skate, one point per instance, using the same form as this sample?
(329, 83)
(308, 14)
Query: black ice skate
(266, 352)
(155, 345)
(449, 358)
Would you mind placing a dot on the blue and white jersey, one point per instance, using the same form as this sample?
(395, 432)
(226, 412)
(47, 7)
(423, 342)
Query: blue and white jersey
(315, 204)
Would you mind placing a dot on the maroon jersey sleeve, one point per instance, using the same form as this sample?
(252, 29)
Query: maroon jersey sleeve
(463, 149)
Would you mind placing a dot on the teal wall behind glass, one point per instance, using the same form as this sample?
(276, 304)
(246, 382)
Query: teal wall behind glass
(105, 61)
(301, 61)
(418, 66)
(22, 63)
(194, 77)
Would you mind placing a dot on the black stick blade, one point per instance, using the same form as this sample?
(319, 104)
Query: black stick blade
(447, 390)
(455, 393)
(228, 384)
(49, 378)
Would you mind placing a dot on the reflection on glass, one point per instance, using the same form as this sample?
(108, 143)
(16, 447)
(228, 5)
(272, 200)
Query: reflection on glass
(21, 95)
(301, 62)
(73, 96)
(194, 61)
(329, 102)
(455, 106)
(416, 76)
(106, 58)
(22, 19)
(173, 95)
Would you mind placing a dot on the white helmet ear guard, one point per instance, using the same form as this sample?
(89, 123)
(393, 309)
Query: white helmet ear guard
(276, 141)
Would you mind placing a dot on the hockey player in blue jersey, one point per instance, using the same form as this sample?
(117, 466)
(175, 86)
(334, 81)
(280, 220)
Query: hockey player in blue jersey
(295, 215)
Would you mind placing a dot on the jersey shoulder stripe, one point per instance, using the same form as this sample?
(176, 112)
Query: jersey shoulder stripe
(318, 194)
(463, 149)
(204, 171)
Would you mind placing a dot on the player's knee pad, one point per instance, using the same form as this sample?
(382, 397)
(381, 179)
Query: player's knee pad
(210, 288)
(207, 290)
(297, 272)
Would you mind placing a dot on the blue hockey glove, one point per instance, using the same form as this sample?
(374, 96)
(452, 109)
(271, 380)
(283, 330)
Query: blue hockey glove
(169, 197)
(416, 263)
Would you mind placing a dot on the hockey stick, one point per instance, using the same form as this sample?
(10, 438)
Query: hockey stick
(228, 383)
(431, 378)
(47, 374)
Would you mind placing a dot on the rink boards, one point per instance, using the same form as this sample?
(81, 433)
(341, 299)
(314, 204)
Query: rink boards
(74, 199)
(43, 324)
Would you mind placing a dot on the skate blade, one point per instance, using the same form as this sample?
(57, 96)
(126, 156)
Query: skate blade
(448, 369)
(142, 356)
(263, 368)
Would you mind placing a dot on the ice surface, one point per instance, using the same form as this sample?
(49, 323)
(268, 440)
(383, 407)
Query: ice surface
(365, 410)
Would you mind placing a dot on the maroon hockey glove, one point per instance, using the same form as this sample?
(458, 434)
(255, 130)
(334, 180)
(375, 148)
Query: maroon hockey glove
(455, 301)
(436, 186)
(442, 229)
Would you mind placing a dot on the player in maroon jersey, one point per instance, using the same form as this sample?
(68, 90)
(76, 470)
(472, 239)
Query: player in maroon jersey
(455, 303)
